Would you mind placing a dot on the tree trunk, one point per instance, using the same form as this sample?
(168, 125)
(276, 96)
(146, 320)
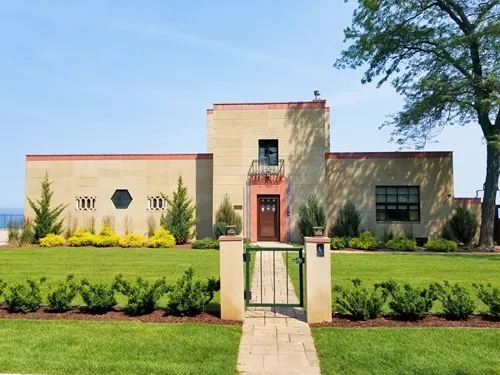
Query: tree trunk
(490, 193)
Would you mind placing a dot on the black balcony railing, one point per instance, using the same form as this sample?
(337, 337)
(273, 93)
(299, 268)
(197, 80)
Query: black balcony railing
(267, 168)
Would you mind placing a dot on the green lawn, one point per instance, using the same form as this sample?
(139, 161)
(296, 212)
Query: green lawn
(102, 264)
(417, 269)
(400, 351)
(76, 347)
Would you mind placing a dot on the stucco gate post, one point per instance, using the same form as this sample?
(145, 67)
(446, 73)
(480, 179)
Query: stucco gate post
(232, 302)
(318, 278)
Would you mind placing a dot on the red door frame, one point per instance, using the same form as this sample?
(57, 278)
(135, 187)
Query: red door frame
(277, 189)
(277, 217)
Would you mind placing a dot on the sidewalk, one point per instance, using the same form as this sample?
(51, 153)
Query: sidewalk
(275, 340)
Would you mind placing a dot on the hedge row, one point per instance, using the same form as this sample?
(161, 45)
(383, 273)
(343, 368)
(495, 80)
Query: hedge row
(413, 303)
(368, 241)
(185, 297)
(107, 238)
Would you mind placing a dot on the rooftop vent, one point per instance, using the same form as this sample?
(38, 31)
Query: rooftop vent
(317, 95)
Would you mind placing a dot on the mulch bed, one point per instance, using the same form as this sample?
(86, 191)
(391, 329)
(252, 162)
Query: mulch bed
(392, 321)
(184, 246)
(118, 314)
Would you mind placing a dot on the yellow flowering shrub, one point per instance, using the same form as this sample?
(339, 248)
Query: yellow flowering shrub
(106, 238)
(81, 238)
(162, 238)
(132, 240)
(51, 240)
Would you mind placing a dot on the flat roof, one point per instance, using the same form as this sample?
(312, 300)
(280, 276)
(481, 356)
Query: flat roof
(120, 157)
(314, 104)
(389, 155)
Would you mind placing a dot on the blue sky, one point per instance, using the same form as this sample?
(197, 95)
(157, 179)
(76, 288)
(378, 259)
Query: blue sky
(137, 76)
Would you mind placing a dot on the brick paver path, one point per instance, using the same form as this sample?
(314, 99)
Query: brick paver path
(275, 340)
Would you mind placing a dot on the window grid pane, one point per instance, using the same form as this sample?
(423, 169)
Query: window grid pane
(397, 203)
(268, 151)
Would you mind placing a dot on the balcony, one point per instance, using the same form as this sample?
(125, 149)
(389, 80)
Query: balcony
(262, 168)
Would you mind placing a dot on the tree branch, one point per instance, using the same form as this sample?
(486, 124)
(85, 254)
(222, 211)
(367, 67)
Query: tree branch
(449, 6)
(446, 57)
(485, 11)
(446, 8)
(460, 11)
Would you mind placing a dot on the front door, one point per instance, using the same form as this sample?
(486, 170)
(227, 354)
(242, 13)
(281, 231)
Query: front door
(268, 219)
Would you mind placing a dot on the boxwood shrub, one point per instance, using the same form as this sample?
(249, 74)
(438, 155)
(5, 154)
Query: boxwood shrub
(360, 303)
(365, 241)
(441, 245)
(490, 297)
(24, 298)
(189, 297)
(408, 302)
(206, 243)
(402, 243)
(338, 243)
(456, 301)
(98, 297)
(63, 294)
(142, 295)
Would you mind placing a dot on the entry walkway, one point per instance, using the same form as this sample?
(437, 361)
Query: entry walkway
(275, 340)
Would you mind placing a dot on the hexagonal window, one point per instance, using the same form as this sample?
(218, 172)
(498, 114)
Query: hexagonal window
(121, 199)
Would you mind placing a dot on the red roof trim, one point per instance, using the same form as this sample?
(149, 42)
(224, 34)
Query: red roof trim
(467, 200)
(210, 111)
(387, 155)
(120, 157)
(316, 104)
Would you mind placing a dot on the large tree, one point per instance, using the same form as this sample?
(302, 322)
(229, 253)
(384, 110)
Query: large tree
(443, 57)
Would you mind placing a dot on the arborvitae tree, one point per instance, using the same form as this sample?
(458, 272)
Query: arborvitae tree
(46, 219)
(225, 216)
(311, 214)
(347, 221)
(463, 225)
(180, 218)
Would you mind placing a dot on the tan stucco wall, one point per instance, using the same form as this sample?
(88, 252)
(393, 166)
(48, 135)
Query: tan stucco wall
(302, 142)
(356, 179)
(210, 131)
(233, 133)
(101, 178)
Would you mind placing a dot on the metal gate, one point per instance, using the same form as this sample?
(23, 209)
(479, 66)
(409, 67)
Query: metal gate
(265, 273)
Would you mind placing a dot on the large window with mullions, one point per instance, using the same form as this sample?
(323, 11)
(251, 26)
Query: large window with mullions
(398, 203)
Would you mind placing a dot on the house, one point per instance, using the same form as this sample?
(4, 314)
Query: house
(268, 157)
